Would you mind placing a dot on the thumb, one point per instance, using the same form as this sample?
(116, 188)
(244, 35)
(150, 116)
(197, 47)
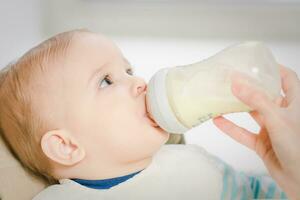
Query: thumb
(244, 89)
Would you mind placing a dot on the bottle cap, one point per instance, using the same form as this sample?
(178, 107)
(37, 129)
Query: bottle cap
(158, 104)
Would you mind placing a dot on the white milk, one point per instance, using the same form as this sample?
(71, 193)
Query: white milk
(182, 97)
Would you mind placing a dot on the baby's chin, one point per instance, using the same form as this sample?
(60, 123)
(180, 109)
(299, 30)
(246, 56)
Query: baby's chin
(165, 135)
(155, 130)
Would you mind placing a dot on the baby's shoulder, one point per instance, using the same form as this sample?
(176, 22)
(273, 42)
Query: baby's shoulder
(59, 192)
(182, 150)
(186, 153)
(190, 164)
(48, 193)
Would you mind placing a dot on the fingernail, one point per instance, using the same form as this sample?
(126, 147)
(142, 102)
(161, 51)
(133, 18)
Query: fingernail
(278, 101)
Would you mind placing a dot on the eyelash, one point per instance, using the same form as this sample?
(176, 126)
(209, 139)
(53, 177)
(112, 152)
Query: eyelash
(106, 77)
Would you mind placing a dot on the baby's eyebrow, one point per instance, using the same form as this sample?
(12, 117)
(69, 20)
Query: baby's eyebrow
(97, 71)
(126, 61)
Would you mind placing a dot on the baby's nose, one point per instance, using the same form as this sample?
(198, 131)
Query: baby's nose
(140, 86)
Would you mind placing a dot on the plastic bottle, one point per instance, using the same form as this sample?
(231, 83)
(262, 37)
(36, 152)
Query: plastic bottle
(180, 98)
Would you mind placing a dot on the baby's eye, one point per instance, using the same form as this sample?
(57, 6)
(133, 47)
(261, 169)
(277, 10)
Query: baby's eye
(130, 71)
(106, 78)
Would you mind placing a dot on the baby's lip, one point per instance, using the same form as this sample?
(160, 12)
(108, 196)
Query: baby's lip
(148, 115)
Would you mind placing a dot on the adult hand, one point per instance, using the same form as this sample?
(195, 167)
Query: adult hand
(278, 141)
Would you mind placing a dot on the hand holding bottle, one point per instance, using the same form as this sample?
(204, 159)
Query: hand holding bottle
(278, 142)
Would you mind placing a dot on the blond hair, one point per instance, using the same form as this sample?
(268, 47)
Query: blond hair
(21, 127)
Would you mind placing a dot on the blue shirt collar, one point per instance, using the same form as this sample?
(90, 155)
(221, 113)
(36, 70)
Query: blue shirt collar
(105, 183)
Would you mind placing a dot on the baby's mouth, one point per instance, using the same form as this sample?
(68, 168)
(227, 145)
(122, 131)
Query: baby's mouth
(153, 123)
(149, 116)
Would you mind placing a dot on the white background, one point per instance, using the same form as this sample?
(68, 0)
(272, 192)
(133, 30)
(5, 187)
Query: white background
(163, 33)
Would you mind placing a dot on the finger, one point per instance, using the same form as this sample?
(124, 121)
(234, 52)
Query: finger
(237, 133)
(284, 103)
(257, 117)
(290, 83)
(251, 95)
(281, 101)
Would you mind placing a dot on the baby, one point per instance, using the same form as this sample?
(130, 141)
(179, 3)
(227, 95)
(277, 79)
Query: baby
(72, 111)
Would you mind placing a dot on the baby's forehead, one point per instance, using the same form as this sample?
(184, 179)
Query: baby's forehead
(91, 49)
(93, 43)
(87, 53)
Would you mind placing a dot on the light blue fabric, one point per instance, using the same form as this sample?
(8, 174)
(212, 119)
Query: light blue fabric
(239, 185)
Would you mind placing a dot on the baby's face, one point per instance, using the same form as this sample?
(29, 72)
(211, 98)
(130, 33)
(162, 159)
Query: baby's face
(102, 104)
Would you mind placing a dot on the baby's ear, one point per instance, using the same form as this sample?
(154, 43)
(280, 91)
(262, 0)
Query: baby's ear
(61, 147)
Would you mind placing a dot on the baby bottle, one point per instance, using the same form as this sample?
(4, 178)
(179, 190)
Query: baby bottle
(182, 97)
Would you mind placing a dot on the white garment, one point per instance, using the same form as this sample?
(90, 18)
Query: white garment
(176, 172)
